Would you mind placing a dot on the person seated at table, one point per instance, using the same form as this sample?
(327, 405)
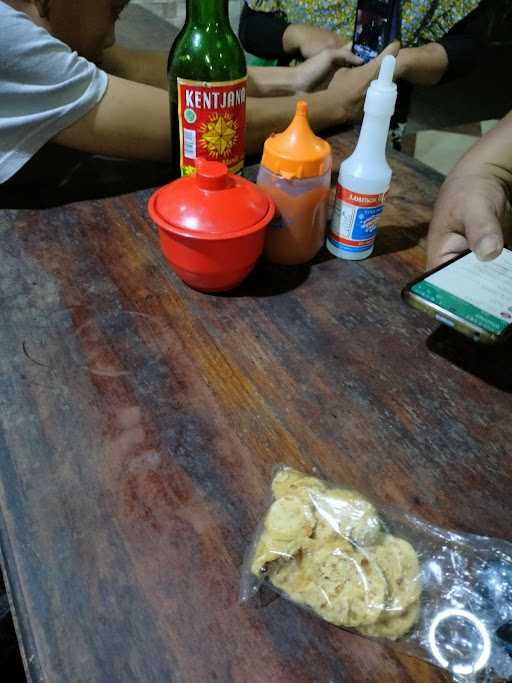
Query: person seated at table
(62, 78)
(441, 39)
(474, 207)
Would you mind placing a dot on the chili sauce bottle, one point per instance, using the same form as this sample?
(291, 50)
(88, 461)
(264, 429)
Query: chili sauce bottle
(295, 171)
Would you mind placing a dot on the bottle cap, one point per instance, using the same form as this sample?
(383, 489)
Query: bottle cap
(211, 205)
(297, 152)
(382, 93)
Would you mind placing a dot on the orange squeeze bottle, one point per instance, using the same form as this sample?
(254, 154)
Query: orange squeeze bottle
(295, 171)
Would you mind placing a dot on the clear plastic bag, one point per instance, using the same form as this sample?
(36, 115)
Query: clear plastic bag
(438, 595)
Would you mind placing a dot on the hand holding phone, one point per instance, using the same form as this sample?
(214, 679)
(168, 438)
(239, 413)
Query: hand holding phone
(471, 212)
(471, 296)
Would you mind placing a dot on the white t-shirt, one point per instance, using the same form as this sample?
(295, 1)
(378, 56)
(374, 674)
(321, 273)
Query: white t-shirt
(44, 88)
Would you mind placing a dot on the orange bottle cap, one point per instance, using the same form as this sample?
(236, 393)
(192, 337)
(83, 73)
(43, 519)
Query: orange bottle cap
(297, 152)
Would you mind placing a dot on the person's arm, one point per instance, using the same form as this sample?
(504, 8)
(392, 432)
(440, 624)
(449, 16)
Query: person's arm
(304, 40)
(141, 66)
(454, 55)
(425, 65)
(474, 206)
(150, 67)
(340, 103)
(464, 52)
(270, 35)
(268, 115)
(131, 122)
(132, 119)
(288, 80)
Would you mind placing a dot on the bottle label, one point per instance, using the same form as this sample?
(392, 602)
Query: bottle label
(212, 123)
(354, 223)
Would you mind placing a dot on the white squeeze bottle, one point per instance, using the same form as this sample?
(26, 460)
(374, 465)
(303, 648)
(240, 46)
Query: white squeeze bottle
(365, 176)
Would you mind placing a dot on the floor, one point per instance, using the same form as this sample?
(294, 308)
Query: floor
(442, 148)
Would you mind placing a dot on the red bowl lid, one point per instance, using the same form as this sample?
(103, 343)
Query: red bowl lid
(212, 204)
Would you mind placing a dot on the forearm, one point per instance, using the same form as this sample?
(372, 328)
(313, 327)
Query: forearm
(131, 122)
(491, 155)
(266, 116)
(424, 65)
(264, 81)
(307, 40)
(141, 66)
(341, 102)
(292, 39)
(150, 68)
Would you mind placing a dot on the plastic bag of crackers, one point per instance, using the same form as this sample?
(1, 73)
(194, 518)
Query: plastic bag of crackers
(442, 596)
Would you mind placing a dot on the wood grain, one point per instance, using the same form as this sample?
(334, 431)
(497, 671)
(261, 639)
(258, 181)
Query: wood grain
(140, 420)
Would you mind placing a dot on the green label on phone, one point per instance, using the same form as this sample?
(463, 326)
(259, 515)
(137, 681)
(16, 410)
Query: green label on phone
(463, 309)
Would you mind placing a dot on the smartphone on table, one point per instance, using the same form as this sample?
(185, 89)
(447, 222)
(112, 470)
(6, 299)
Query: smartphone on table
(377, 24)
(471, 296)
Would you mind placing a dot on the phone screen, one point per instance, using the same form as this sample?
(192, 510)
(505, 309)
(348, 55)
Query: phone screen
(371, 29)
(478, 292)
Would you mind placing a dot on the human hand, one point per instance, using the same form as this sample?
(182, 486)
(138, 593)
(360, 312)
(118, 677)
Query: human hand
(471, 212)
(309, 41)
(317, 71)
(348, 86)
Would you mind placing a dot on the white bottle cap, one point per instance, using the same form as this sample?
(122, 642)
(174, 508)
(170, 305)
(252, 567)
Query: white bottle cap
(381, 95)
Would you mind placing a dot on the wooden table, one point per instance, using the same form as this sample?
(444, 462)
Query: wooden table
(140, 420)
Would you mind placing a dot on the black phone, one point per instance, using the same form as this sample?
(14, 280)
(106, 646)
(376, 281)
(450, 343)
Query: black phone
(471, 296)
(377, 24)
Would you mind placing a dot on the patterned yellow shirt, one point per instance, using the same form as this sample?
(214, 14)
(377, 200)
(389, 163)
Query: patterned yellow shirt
(423, 21)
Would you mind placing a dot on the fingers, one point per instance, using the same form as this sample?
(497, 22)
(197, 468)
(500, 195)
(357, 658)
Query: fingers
(443, 246)
(461, 222)
(341, 56)
(392, 49)
(317, 69)
(483, 232)
(350, 59)
(373, 66)
(320, 68)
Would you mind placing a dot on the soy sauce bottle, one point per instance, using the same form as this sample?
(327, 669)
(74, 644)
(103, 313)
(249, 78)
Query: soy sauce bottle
(207, 87)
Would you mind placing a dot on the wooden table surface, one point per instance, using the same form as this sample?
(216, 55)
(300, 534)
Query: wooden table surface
(140, 420)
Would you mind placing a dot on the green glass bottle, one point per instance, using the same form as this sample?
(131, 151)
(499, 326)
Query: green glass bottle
(207, 87)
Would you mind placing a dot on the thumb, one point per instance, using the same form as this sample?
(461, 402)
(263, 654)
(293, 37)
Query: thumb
(392, 49)
(482, 227)
(373, 66)
(483, 231)
(349, 59)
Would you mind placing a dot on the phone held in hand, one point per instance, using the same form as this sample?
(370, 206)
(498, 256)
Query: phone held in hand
(377, 24)
(471, 296)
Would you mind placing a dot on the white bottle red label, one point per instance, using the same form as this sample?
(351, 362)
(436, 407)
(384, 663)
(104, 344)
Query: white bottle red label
(354, 223)
(212, 123)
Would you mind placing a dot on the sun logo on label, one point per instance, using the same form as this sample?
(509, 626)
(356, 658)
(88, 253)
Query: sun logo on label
(218, 135)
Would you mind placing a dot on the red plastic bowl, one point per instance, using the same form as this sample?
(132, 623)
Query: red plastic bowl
(212, 226)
